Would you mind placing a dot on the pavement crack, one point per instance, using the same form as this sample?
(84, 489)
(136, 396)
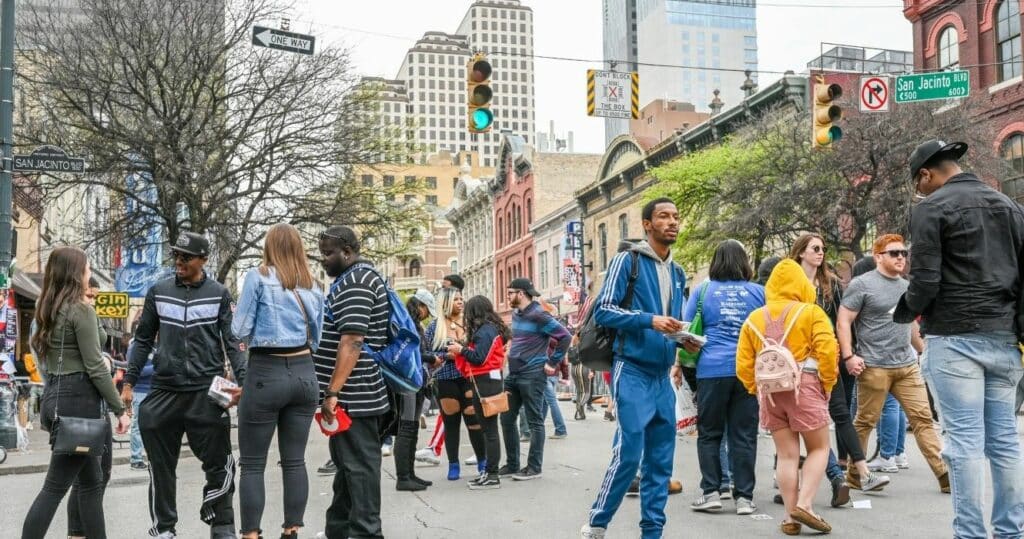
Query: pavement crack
(428, 526)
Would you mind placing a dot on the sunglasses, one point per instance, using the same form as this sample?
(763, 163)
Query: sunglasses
(184, 257)
(897, 253)
(818, 248)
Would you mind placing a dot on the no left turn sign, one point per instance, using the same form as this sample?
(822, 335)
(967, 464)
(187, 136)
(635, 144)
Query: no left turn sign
(874, 94)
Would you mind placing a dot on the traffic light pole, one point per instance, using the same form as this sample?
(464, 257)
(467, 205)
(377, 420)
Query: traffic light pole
(6, 135)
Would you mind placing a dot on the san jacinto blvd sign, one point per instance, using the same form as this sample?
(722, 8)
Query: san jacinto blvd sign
(49, 158)
(931, 86)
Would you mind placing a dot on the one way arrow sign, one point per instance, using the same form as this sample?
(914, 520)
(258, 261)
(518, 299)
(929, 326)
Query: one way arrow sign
(282, 41)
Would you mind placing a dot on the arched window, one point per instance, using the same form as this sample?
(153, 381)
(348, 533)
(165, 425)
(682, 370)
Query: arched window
(623, 227)
(1008, 43)
(529, 268)
(949, 48)
(602, 245)
(415, 234)
(414, 268)
(529, 212)
(1012, 151)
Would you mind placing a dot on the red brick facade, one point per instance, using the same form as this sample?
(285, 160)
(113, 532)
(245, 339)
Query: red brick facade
(513, 215)
(996, 81)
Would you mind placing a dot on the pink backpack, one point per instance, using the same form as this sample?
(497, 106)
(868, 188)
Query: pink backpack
(775, 368)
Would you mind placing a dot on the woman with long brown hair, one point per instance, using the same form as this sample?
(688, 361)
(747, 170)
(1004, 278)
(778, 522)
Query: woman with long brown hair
(279, 314)
(78, 385)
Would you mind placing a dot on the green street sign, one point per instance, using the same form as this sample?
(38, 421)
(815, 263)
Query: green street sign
(931, 86)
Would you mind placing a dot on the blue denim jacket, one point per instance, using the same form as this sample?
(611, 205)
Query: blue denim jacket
(268, 315)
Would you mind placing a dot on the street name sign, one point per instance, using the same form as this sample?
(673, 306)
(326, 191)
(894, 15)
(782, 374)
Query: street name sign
(874, 94)
(48, 158)
(932, 86)
(611, 94)
(282, 41)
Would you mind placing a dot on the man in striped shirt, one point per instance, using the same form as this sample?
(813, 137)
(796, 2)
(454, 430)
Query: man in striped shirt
(355, 315)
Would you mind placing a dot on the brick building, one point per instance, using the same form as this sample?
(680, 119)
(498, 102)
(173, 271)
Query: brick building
(527, 186)
(983, 37)
(661, 119)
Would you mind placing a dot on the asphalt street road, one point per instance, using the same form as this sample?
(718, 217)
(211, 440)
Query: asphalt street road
(554, 506)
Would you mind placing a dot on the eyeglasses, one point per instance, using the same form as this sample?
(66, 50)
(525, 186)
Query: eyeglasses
(897, 253)
(184, 257)
(818, 248)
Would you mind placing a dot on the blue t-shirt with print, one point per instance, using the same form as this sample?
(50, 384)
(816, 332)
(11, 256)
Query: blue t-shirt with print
(726, 306)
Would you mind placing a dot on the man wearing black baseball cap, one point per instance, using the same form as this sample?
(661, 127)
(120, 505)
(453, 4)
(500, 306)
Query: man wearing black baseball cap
(529, 365)
(965, 284)
(192, 315)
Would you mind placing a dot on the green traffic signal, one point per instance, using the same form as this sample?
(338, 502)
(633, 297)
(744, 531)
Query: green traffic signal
(482, 119)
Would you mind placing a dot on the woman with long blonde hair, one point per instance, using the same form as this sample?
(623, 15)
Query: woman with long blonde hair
(78, 385)
(279, 314)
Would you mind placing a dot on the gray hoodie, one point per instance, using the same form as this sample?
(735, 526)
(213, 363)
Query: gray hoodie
(664, 268)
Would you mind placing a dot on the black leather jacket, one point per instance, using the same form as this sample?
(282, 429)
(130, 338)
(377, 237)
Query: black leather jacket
(967, 245)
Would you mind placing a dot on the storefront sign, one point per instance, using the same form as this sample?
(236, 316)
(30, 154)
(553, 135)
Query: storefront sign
(112, 305)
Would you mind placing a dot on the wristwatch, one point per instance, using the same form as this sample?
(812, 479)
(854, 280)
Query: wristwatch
(330, 393)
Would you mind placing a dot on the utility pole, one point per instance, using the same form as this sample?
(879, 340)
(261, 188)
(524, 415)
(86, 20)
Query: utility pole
(6, 135)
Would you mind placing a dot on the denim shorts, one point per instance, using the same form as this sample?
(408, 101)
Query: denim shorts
(808, 413)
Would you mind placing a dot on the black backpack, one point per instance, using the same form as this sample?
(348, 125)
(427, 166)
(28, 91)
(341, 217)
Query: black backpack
(596, 342)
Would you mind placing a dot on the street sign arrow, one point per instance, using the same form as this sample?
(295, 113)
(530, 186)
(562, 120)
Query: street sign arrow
(283, 41)
(48, 158)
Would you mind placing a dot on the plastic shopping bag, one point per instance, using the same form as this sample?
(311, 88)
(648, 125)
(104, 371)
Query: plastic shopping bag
(686, 410)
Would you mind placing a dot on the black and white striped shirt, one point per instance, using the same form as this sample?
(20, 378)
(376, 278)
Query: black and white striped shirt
(358, 304)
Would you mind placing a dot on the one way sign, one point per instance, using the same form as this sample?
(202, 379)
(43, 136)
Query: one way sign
(282, 41)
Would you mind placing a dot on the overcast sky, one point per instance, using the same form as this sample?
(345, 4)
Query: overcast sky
(789, 33)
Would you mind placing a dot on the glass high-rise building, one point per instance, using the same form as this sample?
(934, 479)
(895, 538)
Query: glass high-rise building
(707, 36)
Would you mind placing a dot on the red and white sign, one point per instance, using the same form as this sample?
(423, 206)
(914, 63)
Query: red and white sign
(874, 94)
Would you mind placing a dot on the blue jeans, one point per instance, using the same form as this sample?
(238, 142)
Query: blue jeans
(723, 455)
(526, 394)
(892, 428)
(974, 379)
(135, 437)
(551, 403)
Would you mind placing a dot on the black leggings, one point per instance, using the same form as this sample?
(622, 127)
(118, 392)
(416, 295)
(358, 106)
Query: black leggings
(460, 390)
(75, 507)
(492, 441)
(279, 393)
(78, 396)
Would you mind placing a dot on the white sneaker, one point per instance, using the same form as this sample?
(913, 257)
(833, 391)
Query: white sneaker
(902, 462)
(745, 506)
(471, 460)
(589, 532)
(386, 449)
(879, 464)
(427, 455)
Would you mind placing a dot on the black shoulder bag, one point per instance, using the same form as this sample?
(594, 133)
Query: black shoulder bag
(596, 346)
(76, 435)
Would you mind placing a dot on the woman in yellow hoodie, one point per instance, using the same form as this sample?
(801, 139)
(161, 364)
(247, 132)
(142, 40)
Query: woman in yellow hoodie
(813, 344)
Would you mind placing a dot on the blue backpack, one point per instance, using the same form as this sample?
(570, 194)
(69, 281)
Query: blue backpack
(401, 360)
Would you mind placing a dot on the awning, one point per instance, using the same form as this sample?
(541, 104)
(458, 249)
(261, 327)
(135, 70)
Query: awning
(24, 285)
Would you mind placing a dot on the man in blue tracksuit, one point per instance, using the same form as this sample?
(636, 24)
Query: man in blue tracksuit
(644, 398)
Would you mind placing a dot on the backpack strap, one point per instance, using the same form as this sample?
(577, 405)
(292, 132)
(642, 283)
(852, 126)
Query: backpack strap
(634, 274)
(764, 341)
(792, 322)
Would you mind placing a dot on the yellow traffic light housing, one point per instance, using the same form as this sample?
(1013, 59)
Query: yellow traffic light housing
(478, 95)
(825, 113)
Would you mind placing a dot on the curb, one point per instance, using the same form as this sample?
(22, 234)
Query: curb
(118, 460)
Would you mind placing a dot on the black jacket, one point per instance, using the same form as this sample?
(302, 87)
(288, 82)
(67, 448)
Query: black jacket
(194, 324)
(965, 275)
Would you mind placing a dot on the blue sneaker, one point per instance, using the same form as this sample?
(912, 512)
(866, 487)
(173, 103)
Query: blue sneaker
(453, 471)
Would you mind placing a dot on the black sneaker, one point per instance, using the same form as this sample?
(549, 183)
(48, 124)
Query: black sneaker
(142, 466)
(329, 468)
(505, 470)
(840, 492)
(526, 474)
(634, 487)
(485, 482)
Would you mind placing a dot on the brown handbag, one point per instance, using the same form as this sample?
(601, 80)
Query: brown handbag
(495, 404)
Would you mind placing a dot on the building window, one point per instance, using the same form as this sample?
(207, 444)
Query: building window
(602, 245)
(501, 239)
(529, 268)
(1008, 41)
(367, 180)
(415, 269)
(1012, 151)
(389, 181)
(542, 264)
(432, 200)
(431, 182)
(410, 198)
(949, 48)
(623, 227)
(529, 212)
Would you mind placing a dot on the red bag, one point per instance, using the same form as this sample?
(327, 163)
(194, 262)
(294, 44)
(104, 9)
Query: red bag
(495, 360)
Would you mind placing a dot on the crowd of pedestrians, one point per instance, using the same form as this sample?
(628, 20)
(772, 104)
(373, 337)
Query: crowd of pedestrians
(788, 350)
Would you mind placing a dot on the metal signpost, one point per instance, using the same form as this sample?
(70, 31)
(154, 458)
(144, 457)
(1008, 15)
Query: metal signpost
(932, 86)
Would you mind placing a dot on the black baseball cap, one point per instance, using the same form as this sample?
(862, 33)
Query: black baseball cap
(524, 284)
(193, 244)
(927, 151)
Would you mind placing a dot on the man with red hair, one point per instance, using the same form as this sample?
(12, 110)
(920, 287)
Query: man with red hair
(885, 357)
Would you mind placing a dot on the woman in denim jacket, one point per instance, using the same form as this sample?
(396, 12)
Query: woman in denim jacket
(279, 314)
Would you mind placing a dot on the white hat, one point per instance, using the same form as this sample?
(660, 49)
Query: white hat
(426, 298)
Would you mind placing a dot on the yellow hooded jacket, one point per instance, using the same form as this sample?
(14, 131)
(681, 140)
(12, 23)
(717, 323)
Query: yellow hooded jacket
(812, 335)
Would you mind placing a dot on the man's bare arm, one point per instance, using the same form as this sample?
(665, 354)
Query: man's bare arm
(348, 353)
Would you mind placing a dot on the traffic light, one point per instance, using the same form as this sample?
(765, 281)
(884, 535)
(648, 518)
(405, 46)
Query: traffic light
(478, 95)
(825, 113)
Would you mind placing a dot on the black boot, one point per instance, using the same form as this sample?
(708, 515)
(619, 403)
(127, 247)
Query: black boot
(405, 453)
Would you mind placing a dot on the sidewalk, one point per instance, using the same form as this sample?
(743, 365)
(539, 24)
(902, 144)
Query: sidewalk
(37, 458)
